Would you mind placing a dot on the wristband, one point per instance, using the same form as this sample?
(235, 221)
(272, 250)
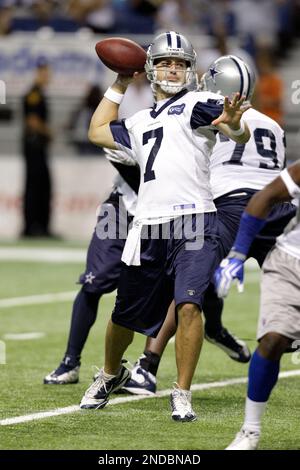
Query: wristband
(291, 186)
(239, 131)
(249, 227)
(113, 96)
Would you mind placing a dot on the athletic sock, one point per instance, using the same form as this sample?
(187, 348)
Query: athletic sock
(150, 362)
(263, 375)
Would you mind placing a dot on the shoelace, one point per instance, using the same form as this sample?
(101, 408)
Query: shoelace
(97, 371)
(95, 386)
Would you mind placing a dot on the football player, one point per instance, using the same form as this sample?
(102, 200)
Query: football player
(279, 318)
(103, 268)
(172, 143)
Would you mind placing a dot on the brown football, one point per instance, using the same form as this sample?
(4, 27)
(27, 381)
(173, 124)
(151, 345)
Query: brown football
(121, 55)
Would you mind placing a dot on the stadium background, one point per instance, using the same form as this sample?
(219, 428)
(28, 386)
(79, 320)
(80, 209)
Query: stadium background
(55, 30)
(37, 276)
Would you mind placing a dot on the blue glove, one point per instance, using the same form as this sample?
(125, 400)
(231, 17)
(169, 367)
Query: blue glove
(229, 269)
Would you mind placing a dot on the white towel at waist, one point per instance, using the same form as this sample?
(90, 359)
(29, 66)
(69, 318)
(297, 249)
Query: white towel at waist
(132, 249)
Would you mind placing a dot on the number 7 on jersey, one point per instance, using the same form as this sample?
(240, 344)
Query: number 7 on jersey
(156, 134)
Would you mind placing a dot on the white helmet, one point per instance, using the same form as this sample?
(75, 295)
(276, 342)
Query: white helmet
(171, 44)
(228, 75)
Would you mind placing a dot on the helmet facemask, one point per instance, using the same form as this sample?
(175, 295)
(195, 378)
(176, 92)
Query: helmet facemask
(171, 45)
(172, 87)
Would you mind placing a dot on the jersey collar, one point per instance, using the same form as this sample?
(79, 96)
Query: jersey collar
(174, 98)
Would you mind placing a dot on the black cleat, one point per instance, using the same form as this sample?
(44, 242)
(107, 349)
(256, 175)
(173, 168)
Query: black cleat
(234, 347)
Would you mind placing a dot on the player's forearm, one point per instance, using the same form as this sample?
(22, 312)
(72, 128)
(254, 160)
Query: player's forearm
(282, 189)
(107, 111)
(99, 130)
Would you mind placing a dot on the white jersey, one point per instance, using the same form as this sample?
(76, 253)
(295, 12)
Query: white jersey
(252, 165)
(129, 196)
(172, 144)
(289, 241)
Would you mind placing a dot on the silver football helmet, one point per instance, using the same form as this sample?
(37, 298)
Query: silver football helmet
(171, 44)
(228, 75)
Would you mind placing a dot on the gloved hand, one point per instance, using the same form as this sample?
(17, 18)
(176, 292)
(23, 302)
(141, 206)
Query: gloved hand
(229, 269)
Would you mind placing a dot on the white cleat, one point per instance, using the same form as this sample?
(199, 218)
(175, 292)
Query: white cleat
(245, 440)
(181, 405)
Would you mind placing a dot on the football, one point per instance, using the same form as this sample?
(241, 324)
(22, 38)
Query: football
(121, 55)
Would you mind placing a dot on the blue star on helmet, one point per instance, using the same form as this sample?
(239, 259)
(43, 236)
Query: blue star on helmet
(213, 72)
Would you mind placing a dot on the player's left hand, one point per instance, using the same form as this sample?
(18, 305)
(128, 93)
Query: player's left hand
(232, 111)
(229, 269)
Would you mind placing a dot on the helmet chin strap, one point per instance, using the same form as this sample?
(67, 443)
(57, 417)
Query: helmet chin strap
(171, 88)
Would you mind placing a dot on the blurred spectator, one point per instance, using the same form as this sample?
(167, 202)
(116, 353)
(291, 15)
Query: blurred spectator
(98, 15)
(43, 10)
(178, 15)
(286, 9)
(296, 16)
(137, 16)
(269, 87)
(80, 121)
(6, 16)
(257, 21)
(146, 7)
(222, 46)
(214, 15)
(35, 144)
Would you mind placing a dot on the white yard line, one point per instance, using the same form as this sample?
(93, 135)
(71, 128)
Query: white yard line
(118, 401)
(250, 278)
(41, 299)
(48, 255)
(24, 336)
(38, 299)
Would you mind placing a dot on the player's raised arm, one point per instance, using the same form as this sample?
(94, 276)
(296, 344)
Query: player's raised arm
(107, 111)
(127, 59)
(229, 122)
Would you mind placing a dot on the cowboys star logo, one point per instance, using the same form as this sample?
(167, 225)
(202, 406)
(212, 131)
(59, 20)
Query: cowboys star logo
(89, 278)
(213, 72)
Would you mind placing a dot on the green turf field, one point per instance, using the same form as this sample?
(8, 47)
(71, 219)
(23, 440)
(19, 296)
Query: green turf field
(144, 424)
